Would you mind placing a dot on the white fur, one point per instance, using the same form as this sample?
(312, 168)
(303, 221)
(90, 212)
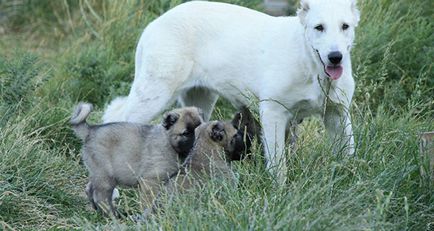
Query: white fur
(234, 51)
(114, 110)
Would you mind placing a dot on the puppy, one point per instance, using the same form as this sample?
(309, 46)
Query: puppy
(211, 154)
(210, 157)
(127, 154)
(250, 129)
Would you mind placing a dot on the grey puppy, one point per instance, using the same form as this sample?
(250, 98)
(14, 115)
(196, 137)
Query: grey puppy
(129, 154)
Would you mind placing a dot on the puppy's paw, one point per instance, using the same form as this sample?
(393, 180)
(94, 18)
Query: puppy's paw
(141, 218)
(217, 131)
(115, 194)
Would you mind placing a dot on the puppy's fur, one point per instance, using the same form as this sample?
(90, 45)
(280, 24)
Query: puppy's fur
(209, 158)
(124, 153)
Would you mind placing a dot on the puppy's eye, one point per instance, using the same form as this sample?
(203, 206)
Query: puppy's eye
(186, 133)
(319, 28)
(345, 26)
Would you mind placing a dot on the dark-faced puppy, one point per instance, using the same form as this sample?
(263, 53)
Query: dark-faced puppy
(209, 158)
(249, 128)
(182, 136)
(128, 154)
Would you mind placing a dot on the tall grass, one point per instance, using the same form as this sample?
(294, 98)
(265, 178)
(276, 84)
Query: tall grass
(84, 51)
(393, 54)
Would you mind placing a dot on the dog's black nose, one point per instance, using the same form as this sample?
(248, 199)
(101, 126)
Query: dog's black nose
(335, 57)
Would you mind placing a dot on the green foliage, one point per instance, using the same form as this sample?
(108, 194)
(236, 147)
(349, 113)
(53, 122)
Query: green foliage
(86, 76)
(19, 79)
(393, 54)
(37, 183)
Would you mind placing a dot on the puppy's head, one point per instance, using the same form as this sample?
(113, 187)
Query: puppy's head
(180, 124)
(249, 128)
(226, 135)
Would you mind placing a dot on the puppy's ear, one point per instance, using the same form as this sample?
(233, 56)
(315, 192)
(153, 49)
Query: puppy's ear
(217, 131)
(236, 121)
(302, 11)
(169, 119)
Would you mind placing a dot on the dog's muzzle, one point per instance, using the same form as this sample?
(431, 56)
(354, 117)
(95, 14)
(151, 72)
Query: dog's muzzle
(335, 70)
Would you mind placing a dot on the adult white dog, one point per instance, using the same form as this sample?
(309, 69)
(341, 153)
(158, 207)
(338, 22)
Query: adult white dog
(296, 66)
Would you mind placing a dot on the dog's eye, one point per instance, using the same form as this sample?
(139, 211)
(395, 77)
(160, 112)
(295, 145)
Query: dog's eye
(319, 28)
(345, 26)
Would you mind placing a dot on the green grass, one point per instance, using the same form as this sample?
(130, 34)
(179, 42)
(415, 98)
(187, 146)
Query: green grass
(56, 53)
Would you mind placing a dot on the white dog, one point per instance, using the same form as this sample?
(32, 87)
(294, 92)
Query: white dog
(296, 66)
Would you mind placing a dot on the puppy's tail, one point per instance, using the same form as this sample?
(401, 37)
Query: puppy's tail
(78, 120)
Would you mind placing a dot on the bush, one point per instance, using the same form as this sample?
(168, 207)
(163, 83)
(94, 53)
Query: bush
(19, 79)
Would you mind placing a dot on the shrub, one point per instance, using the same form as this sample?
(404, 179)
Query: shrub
(19, 78)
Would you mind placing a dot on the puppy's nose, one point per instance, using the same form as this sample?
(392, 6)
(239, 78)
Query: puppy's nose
(335, 57)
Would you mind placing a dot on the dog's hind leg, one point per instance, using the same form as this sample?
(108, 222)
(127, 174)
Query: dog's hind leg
(144, 107)
(155, 87)
(200, 97)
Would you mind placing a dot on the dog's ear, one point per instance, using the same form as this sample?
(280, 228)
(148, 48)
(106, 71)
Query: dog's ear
(217, 131)
(355, 11)
(302, 11)
(169, 119)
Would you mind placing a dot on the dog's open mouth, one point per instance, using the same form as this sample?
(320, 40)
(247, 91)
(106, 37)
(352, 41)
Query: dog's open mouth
(334, 72)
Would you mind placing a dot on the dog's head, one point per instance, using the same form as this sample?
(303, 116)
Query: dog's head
(329, 30)
(180, 124)
(226, 135)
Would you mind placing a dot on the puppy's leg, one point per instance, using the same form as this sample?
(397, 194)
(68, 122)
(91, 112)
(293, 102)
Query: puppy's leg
(148, 190)
(200, 97)
(89, 194)
(102, 195)
(337, 122)
(274, 119)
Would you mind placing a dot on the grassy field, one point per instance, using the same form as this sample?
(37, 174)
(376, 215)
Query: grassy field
(54, 54)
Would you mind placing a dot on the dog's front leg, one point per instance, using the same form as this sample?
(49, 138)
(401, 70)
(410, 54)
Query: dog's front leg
(337, 121)
(274, 118)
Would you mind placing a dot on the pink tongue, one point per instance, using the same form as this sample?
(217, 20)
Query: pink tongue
(334, 72)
